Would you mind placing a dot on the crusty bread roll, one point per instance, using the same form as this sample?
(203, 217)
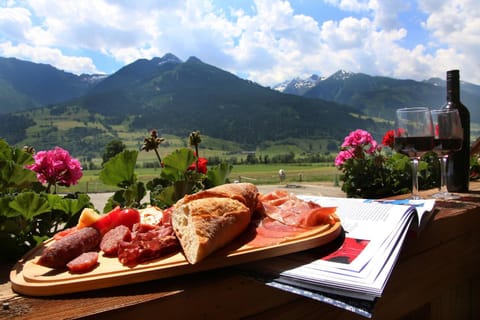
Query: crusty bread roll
(205, 225)
(210, 219)
(246, 193)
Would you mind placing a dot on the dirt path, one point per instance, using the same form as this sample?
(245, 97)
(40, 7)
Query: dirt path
(320, 189)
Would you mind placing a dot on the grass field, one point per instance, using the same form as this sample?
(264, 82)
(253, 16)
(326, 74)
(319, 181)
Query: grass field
(254, 173)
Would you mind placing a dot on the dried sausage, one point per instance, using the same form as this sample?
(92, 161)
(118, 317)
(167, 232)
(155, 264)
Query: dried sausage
(111, 239)
(85, 262)
(60, 252)
(148, 242)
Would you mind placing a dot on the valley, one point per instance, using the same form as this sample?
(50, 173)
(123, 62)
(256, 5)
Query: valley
(240, 121)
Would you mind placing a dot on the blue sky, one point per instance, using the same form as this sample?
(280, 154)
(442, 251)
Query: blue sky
(267, 41)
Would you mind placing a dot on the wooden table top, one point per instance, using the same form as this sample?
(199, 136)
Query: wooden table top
(226, 293)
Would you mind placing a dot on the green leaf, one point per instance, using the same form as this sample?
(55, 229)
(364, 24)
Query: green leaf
(176, 163)
(67, 205)
(165, 197)
(120, 170)
(219, 174)
(170, 195)
(15, 176)
(115, 200)
(130, 197)
(5, 209)
(134, 194)
(30, 204)
(16, 155)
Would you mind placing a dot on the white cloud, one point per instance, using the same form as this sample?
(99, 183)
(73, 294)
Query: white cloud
(350, 5)
(387, 12)
(50, 56)
(349, 33)
(14, 23)
(455, 27)
(268, 44)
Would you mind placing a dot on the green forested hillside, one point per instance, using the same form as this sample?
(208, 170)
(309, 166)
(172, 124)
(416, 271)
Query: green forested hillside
(381, 96)
(24, 85)
(177, 98)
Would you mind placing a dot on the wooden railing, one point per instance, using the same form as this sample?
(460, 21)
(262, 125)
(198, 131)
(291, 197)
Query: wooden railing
(436, 277)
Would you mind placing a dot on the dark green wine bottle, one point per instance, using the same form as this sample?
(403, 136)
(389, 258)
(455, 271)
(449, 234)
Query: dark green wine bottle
(458, 167)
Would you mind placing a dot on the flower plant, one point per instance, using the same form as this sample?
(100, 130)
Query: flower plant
(56, 167)
(372, 170)
(29, 212)
(182, 172)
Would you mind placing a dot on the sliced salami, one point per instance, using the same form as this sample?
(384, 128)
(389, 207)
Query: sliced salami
(148, 242)
(111, 239)
(85, 262)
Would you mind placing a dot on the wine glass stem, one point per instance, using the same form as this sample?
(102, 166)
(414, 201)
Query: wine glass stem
(443, 174)
(415, 179)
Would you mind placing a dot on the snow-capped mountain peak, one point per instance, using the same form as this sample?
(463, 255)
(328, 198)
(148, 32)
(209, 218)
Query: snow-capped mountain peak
(341, 75)
(301, 85)
(167, 58)
(298, 85)
(92, 79)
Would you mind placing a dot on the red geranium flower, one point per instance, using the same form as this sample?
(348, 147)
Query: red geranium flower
(202, 165)
(388, 138)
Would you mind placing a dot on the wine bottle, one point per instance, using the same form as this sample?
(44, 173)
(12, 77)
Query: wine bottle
(458, 167)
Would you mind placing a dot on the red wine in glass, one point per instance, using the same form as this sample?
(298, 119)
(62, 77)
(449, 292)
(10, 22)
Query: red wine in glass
(414, 147)
(448, 140)
(446, 146)
(413, 136)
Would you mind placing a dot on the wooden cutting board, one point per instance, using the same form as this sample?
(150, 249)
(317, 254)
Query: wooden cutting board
(29, 278)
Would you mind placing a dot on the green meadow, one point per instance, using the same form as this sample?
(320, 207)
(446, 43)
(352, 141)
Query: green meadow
(255, 173)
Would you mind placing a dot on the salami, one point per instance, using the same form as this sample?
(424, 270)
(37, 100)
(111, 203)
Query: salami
(69, 247)
(111, 239)
(85, 262)
(148, 242)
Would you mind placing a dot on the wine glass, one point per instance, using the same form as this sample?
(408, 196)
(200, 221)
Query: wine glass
(413, 137)
(448, 139)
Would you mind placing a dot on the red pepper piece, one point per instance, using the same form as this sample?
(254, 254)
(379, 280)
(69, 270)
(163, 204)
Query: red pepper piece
(127, 217)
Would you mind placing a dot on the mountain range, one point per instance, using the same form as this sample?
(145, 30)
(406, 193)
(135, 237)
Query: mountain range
(173, 96)
(39, 102)
(379, 96)
(25, 85)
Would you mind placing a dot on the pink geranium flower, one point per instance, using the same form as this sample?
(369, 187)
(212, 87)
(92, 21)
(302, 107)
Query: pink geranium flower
(356, 145)
(343, 156)
(358, 137)
(56, 167)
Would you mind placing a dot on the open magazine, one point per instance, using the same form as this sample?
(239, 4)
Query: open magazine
(352, 271)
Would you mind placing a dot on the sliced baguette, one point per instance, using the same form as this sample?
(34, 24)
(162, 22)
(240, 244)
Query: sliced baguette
(204, 225)
(246, 193)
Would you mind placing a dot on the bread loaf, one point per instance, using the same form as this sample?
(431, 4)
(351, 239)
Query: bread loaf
(246, 193)
(210, 219)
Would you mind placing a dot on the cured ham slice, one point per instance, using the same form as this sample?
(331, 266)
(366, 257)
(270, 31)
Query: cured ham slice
(288, 209)
(285, 216)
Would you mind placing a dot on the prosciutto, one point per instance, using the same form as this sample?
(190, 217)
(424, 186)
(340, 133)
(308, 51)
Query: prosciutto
(285, 216)
(287, 208)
